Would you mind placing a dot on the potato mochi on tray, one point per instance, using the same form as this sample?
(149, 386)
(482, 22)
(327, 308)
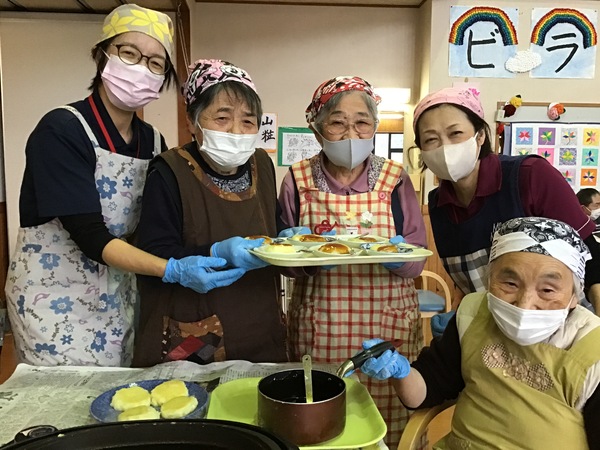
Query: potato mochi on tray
(169, 400)
(130, 397)
(168, 390)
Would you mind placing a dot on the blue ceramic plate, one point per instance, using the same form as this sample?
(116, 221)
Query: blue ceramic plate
(101, 410)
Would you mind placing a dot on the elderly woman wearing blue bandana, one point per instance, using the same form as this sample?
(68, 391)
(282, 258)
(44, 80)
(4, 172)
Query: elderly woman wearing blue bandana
(203, 199)
(522, 358)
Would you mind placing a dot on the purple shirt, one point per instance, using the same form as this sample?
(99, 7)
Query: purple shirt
(413, 227)
(544, 193)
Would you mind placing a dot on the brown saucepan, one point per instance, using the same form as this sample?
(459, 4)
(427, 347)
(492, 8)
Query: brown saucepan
(282, 406)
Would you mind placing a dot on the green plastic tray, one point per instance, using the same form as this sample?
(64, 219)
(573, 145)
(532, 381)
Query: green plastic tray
(237, 400)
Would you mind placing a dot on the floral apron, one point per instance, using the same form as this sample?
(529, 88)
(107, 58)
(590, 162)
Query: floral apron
(64, 308)
(333, 312)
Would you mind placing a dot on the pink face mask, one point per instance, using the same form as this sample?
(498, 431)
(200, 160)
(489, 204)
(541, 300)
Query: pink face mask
(130, 86)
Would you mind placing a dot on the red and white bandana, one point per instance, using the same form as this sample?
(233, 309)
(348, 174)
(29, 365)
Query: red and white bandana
(329, 88)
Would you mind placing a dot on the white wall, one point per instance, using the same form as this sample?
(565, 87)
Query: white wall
(45, 63)
(289, 50)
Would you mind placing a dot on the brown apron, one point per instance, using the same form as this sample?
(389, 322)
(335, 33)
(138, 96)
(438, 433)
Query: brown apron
(249, 311)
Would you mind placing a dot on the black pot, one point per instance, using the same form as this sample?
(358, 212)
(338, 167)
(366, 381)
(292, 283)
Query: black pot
(282, 406)
(158, 434)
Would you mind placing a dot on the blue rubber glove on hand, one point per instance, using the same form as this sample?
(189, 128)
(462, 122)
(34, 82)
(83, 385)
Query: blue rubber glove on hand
(388, 365)
(391, 266)
(196, 272)
(235, 251)
(439, 322)
(289, 232)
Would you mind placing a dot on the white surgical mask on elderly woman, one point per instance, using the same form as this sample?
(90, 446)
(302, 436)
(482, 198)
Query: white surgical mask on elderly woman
(453, 162)
(228, 150)
(348, 153)
(130, 86)
(525, 326)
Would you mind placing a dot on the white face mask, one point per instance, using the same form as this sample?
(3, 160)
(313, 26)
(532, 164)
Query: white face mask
(348, 153)
(525, 326)
(594, 214)
(228, 150)
(130, 87)
(453, 161)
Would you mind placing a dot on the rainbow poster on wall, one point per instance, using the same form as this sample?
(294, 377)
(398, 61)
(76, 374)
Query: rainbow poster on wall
(572, 148)
(566, 41)
(481, 39)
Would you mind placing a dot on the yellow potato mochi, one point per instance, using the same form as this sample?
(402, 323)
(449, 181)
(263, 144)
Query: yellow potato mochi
(130, 397)
(178, 407)
(280, 248)
(168, 390)
(139, 413)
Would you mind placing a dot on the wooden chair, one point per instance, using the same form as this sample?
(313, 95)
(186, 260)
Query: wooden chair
(419, 422)
(430, 302)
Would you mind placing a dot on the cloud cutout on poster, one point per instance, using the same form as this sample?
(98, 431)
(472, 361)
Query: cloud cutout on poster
(523, 61)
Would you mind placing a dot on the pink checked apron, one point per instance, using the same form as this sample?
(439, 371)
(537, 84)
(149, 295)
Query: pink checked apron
(64, 308)
(334, 312)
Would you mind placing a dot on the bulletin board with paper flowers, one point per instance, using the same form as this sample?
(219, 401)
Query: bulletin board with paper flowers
(567, 136)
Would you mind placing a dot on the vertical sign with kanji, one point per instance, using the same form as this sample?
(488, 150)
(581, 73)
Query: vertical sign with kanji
(267, 133)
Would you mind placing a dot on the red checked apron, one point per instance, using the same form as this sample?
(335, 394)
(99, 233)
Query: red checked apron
(64, 308)
(334, 312)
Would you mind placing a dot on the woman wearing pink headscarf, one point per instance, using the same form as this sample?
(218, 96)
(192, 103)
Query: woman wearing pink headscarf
(347, 189)
(202, 199)
(479, 189)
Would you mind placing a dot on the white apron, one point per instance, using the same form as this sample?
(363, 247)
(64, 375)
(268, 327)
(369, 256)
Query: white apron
(64, 308)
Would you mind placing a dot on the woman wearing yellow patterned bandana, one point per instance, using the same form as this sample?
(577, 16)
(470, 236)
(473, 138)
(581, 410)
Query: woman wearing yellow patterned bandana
(71, 285)
(346, 189)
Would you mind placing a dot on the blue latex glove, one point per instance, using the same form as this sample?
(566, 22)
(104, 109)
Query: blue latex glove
(235, 251)
(388, 365)
(391, 266)
(196, 272)
(289, 232)
(439, 322)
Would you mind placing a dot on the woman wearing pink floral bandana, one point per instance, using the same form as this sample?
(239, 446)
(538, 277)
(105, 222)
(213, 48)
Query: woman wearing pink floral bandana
(203, 199)
(346, 189)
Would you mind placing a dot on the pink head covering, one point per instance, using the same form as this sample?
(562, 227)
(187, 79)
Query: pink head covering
(208, 72)
(329, 88)
(469, 98)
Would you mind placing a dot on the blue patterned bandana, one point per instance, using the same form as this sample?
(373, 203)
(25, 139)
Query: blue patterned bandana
(544, 236)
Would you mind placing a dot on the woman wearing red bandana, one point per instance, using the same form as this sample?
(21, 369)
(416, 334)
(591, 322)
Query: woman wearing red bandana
(353, 191)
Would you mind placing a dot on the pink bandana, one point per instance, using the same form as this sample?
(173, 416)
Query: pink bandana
(334, 86)
(469, 98)
(208, 72)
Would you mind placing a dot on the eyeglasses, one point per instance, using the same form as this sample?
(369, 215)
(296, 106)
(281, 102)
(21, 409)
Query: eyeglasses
(131, 55)
(336, 127)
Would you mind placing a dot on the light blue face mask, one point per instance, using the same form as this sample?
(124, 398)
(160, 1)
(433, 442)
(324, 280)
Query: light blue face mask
(348, 153)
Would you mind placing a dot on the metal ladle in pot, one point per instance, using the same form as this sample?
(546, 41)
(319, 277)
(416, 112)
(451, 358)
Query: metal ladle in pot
(307, 365)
